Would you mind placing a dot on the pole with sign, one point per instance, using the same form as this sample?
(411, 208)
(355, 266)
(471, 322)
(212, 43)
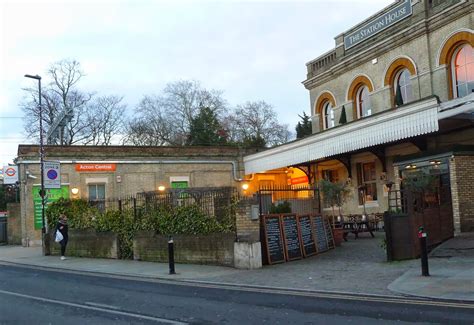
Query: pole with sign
(52, 174)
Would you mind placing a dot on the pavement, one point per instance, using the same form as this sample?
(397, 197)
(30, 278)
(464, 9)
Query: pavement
(451, 268)
(357, 267)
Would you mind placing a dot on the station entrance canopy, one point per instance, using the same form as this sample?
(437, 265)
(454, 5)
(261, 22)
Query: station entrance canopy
(411, 120)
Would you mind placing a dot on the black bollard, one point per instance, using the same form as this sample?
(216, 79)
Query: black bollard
(424, 252)
(171, 255)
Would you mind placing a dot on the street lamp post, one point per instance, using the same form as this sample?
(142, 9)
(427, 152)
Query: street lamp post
(42, 191)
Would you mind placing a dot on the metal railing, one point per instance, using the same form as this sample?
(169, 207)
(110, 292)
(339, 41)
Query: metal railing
(300, 199)
(214, 202)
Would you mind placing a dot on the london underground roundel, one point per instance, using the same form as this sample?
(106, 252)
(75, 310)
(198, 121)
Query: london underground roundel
(10, 172)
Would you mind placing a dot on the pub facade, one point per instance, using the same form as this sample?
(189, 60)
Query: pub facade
(394, 97)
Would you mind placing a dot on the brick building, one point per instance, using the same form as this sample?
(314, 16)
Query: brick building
(98, 173)
(394, 97)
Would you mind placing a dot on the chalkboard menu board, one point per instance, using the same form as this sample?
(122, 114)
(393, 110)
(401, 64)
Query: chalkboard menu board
(292, 238)
(307, 235)
(320, 234)
(273, 240)
(329, 234)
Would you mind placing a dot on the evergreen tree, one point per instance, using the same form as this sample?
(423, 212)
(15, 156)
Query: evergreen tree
(254, 141)
(304, 127)
(205, 129)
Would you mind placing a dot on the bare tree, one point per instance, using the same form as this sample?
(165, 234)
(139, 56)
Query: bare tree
(152, 126)
(104, 118)
(256, 122)
(166, 119)
(60, 95)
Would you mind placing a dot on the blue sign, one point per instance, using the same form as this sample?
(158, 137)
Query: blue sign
(378, 24)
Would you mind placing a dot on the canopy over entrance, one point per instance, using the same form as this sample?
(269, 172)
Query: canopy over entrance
(411, 120)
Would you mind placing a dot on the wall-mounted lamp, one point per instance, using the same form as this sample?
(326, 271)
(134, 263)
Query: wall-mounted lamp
(245, 186)
(161, 188)
(74, 190)
(435, 162)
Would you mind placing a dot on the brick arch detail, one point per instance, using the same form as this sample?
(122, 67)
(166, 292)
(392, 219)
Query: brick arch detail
(396, 66)
(325, 96)
(453, 43)
(358, 82)
(447, 52)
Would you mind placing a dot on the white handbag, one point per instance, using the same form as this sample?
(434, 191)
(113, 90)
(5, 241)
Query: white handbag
(58, 236)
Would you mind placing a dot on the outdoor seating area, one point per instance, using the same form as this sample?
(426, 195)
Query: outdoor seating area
(360, 223)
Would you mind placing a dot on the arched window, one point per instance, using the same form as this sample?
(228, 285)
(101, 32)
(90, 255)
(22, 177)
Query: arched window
(462, 67)
(403, 80)
(364, 107)
(328, 115)
(324, 109)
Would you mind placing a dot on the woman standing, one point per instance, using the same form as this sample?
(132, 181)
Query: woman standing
(63, 229)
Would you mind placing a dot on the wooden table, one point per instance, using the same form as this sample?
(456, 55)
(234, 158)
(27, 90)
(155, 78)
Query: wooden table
(355, 225)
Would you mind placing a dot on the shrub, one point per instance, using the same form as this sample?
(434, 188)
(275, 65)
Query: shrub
(163, 219)
(284, 207)
(79, 213)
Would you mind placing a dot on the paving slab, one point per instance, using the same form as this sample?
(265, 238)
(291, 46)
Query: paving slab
(451, 269)
(358, 266)
(33, 256)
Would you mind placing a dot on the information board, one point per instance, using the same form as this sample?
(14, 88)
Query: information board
(307, 235)
(52, 195)
(292, 238)
(320, 233)
(273, 239)
(329, 234)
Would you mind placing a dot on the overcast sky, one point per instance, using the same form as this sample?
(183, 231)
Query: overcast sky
(251, 50)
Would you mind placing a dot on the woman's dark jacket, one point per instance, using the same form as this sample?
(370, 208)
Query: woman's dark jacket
(63, 229)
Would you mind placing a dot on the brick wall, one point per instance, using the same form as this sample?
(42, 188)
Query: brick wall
(85, 243)
(14, 224)
(462, 191)
(213, 249)
(248, 230)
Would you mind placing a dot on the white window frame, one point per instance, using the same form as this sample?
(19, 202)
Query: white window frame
(453, 70)
(328, 117)
(359, 108)
(404, 89)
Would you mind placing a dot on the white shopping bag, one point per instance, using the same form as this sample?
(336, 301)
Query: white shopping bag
(58, 236)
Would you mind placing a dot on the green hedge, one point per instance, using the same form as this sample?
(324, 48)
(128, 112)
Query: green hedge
(164, 220)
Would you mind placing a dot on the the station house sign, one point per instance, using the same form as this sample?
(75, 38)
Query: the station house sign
(378, 24)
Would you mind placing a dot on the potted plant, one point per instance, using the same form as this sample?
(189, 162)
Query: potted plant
(335, 194)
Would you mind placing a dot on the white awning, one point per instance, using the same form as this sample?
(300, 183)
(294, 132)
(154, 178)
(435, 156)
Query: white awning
(408, 121)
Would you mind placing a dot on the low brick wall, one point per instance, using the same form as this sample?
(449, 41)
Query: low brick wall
(213, 249)
(86, 243)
